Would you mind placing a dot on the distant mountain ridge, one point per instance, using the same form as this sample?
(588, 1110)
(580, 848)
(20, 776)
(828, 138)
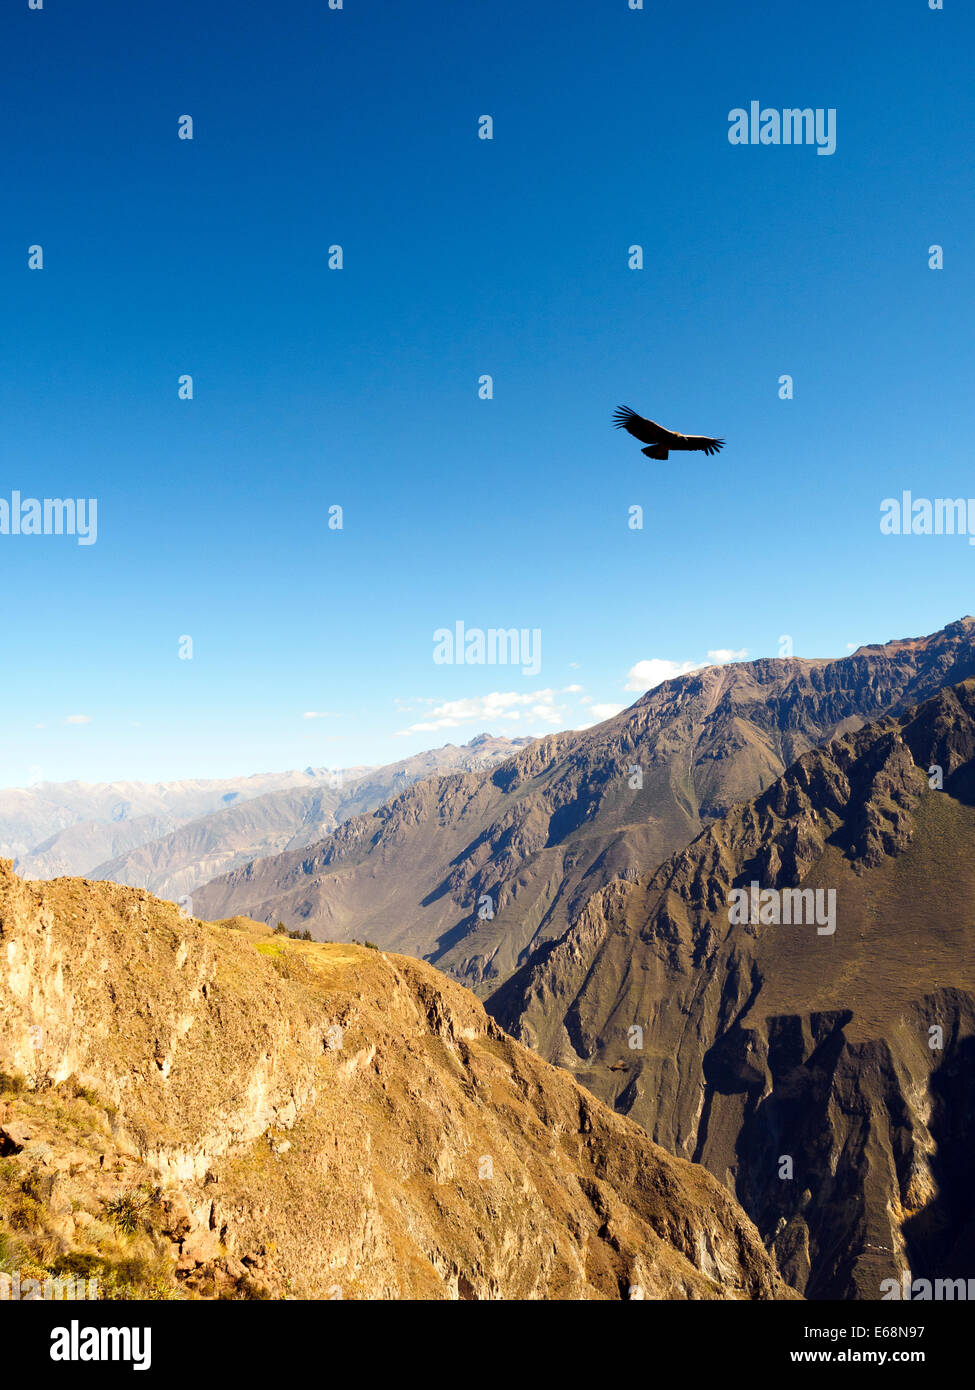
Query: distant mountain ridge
(35, 820)
(170, 837)
(475, 872)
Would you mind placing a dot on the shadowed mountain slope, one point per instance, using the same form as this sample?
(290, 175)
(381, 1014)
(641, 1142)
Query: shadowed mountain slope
(743, 1043)
(475, 872)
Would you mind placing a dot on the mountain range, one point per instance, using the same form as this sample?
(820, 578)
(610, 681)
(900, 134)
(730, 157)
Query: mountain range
(475, 872)
(821, 1074)
(172, 836)
(740, 914)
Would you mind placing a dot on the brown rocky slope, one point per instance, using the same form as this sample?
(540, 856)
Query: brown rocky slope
(206, 1109)
(762, 1042)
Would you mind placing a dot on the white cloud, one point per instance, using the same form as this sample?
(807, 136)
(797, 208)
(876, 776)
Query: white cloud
(414, 702)
(78, 719)
(572, 689)
(646, 674)
(318, 714)
(538, 706)
(605, 711)
(724, 654)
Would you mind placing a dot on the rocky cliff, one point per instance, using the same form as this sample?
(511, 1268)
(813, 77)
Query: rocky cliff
(212, 1110)
(823, 1070)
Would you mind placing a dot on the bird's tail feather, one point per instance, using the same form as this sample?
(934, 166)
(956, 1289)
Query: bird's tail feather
(656, 451)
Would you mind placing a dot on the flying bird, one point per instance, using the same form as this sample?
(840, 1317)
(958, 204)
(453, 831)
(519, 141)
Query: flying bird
(661, 441)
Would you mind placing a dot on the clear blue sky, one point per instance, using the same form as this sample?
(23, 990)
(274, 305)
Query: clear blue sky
(462, 256)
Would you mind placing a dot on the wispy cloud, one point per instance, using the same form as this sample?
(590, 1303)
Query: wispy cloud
(78, 719)
(723, 655)
(535, 707)
(318, 714)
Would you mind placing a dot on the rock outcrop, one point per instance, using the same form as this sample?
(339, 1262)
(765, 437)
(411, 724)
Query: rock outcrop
(214, 1110)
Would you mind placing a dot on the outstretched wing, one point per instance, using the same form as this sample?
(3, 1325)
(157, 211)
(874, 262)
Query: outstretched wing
(703, 441)
(645, 430)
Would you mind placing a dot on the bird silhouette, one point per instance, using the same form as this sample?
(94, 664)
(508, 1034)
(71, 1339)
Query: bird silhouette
(661, 441)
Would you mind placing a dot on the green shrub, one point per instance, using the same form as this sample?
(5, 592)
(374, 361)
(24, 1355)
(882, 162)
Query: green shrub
(127, 1210)
(11, 1254)
(87, 1093)
(26, 1214)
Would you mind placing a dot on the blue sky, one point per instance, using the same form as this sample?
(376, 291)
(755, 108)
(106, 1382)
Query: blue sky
(462, 257)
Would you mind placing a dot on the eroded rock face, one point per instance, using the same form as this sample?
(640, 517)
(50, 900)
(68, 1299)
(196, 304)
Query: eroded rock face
(476, 872)
(822, 1076)
(213, 1109)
